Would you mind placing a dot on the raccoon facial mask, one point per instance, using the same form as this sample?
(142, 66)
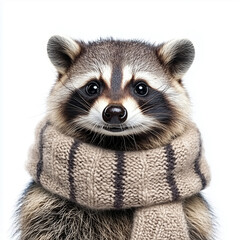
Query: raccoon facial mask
(109, 89)
(155, 181)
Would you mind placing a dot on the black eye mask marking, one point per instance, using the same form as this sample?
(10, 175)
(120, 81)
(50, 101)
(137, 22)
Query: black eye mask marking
(153, 103)
(81, 100)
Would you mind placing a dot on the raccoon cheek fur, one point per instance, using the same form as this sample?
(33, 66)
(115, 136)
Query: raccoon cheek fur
(117, 156)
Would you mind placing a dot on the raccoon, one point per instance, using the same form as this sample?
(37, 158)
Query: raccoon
(119, 95)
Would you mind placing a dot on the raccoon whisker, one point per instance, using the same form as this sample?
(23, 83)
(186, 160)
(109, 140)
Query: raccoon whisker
(149, 130)
(95, 133)
(84, 104)
(127, 137)
(73, 106)
(134, 141)
(144, 127)
(148, 123)
(156, 113)
(102, 136)
(154, 133)
(87, 104)
(59, 103)
(124, 143)
(68, 88)
(164, 89)
(148, 108)
(78, 123)
(93, 137)
(132, 136)
(93, 129)
(147, 102)
(75, 128)
(79, 95)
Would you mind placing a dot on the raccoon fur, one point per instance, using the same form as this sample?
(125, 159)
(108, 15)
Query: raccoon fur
(120, 95)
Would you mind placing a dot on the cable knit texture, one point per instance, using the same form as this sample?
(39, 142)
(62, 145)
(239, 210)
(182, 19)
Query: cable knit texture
(154, 181)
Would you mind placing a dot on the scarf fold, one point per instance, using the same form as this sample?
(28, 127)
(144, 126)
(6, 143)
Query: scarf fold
(155, 181)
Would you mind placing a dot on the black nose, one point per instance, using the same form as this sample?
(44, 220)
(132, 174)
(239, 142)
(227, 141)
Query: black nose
(114, 114)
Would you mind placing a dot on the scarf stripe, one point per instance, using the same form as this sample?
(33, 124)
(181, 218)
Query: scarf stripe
(40, 161)
(71, 164)
(171, 162)
(197, 166)
(118, 179)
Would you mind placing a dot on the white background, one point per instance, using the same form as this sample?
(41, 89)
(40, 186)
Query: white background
(213, 81)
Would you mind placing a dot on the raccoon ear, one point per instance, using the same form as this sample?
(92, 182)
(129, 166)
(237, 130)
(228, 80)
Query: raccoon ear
(176, 56)
(62, 52)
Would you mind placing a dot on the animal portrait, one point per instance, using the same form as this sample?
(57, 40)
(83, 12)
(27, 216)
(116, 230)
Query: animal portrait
(117, 155)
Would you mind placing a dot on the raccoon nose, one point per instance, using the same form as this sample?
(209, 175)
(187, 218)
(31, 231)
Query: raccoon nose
(114, 114)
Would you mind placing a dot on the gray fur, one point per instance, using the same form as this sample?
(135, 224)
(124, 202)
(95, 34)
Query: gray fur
(177, 56)
(51, 217)
(42, 215)
(62, 52)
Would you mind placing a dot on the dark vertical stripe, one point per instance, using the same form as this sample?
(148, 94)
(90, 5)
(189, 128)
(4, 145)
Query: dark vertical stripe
(118, 179)
(116, 80)
(171, 162)
(71, 165)
(197, 166)
(40, 161)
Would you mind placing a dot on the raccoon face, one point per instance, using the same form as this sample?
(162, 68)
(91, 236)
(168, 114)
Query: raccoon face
(121, 95)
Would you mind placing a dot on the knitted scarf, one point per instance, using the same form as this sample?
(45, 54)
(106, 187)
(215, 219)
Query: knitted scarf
(154, 181)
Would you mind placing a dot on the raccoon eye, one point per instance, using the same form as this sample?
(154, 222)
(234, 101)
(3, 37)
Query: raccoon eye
(92, 88)
(141, 89)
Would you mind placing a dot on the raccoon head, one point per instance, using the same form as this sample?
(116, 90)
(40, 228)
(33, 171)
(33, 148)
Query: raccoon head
(122, 95)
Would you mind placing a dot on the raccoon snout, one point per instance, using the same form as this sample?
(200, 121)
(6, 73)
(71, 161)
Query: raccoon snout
(114, 114)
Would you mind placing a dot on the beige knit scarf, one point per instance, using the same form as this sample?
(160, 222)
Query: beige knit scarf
(154, 181)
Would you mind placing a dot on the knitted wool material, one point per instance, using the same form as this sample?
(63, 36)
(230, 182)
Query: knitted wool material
(154, 181)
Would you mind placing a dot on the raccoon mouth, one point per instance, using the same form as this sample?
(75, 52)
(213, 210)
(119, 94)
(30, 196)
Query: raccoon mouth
(115, 129)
